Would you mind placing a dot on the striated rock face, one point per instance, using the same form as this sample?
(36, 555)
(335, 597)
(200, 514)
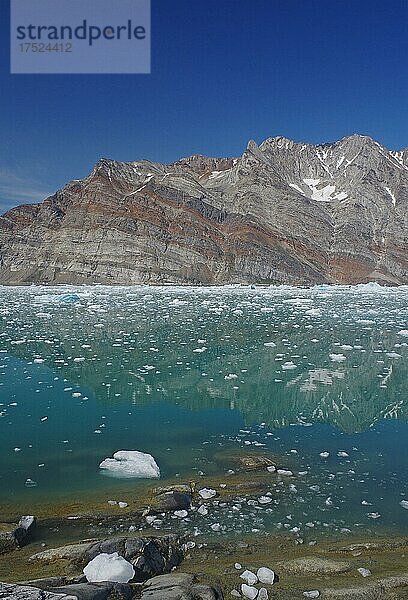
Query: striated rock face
(281, 213)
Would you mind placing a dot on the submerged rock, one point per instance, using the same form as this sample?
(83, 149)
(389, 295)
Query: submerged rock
(131, 463)
(250, 461)
(170, 501)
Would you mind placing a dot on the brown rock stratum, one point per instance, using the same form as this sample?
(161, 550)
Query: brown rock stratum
(283, 212)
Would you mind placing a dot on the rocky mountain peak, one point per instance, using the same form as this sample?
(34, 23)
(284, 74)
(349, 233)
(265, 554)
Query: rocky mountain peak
(283, 212)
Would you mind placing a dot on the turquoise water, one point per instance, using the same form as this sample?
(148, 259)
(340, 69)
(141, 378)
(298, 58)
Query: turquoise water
(183, 373)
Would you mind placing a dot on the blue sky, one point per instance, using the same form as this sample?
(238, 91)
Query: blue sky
(223, 72)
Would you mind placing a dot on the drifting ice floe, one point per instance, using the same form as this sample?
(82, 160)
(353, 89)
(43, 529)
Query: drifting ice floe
(207, 493)
(131, 463)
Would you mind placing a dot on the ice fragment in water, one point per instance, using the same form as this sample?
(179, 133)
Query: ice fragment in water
(207, 493)
(266, 575)
(364, 572)
(131, 463)
(249, 577)
(248, 591)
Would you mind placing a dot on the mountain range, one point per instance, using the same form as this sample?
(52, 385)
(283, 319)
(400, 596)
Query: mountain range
(282, 213)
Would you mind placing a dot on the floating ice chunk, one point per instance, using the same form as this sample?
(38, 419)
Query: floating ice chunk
(231, 376)
(288, 366)
(284, 472)
(373, 515)
(238, 566)
(324, 454)
(270, 344)
(109, 567)
(264, 500)
(202, 510)
(263, 594)
(30, 483)
(312, 594)
(207, 493)
(337, 357)
(403, 332)
(131, 463)
(342, 454)
(266, 575)
(271, 469)
(69, 298)
(248, 591)
(364, 572)
(249, 577)
(404, 504)
(123, 504)
(181, 513)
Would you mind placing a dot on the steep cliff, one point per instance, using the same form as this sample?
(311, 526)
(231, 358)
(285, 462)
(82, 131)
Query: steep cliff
(283, 212)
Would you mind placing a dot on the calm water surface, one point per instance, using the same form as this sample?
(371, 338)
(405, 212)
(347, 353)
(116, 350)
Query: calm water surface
(183, 373)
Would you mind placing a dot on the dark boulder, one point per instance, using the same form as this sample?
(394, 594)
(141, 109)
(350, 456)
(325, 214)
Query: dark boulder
(17, 535)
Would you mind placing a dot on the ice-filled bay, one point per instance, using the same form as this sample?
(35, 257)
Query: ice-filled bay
(316, 375)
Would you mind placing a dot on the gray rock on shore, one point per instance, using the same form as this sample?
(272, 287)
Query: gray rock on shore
(149, 556)
(176, 586)
(179, 586)
(17, 535)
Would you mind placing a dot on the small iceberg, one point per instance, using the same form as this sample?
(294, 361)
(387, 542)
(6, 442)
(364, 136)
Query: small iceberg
(131, 463)
(109, 567)
(69, 298)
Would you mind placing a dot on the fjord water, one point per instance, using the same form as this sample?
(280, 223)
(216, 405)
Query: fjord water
(183, 373)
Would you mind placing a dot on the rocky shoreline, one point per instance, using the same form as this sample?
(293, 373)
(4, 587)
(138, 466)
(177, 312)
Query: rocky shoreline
(178, 565)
